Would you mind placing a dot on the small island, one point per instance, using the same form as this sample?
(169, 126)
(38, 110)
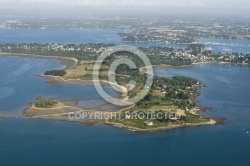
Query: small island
(43, 106)
(46, 103)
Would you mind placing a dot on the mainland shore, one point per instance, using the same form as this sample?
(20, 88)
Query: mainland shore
(67, 62)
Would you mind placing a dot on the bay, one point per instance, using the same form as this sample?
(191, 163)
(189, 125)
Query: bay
(109, 36)
(46, 142)
(19, 86)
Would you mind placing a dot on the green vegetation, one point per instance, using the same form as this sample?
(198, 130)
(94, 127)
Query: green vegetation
(147, 29)
(190, 118)
(177, 91)
(60, 73)
(157, 55)
(166, 95)
(81, 51)
(45, 103)
(143, 123)
(157, 35)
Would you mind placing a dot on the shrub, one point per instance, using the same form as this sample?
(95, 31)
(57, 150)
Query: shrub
(45, 103)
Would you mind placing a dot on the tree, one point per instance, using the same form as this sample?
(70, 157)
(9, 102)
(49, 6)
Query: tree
(60, 73)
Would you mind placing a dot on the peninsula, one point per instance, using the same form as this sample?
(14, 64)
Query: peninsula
(174, 95)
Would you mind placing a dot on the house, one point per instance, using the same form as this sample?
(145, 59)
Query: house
(150, 123)
(128, 117)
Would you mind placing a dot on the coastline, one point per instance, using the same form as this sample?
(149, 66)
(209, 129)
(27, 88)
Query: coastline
(67, 62)
(135, 129)
(73, 63)
(60, 80)
(157, 42)
(163, 66)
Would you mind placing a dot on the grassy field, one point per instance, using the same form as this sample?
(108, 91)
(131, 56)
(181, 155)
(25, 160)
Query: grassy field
(84, 70)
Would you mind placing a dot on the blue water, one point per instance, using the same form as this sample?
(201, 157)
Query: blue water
(64, 36)
(19, 86)
(226, 91)
(227, 45)
(71, 36)
(108, 36)
(43, 142)
(47, 142)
